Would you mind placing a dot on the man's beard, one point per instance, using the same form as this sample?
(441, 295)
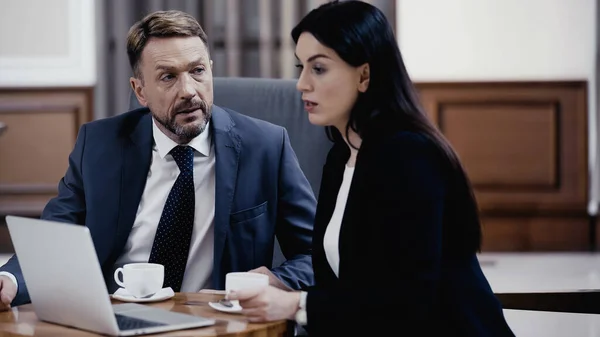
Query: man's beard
(186, 132)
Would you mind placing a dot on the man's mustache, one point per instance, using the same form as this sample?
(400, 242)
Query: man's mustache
(190, 106)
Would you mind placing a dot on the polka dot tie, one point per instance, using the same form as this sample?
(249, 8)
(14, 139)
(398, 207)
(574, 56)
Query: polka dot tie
(173, 235)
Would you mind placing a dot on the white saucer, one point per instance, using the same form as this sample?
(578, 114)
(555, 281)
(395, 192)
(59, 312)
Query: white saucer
(123, 295)
(236, 309)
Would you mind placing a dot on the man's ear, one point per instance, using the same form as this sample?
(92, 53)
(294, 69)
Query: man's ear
(365, 77)
(211, 64)
(137, 87)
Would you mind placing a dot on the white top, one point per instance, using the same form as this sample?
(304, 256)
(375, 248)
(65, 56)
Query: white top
(332, 233)
(161, 177)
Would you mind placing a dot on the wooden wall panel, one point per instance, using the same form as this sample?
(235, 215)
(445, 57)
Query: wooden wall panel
(42, 126)
(497, 142)
(524, 146)
(535, 233)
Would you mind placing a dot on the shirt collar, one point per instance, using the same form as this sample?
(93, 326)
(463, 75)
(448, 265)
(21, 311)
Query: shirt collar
(164, 144)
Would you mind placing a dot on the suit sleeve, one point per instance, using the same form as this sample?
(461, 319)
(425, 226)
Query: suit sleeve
(295, 218)
(405, 223)
(68, 207)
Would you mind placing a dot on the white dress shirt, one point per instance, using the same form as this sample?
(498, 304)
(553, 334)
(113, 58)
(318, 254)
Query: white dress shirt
(161, 177)
(332, 233)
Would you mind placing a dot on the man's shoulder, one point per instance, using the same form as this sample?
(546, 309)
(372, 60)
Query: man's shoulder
(252, 125)
(117, 124)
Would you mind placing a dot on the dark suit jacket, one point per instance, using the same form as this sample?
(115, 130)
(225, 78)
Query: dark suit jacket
(401, 267)
(260, 193)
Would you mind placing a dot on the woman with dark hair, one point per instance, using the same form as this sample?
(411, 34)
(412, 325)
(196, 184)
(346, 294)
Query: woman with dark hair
(397, 227)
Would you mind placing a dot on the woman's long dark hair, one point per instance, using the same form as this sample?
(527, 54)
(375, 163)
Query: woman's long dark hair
(360, 33)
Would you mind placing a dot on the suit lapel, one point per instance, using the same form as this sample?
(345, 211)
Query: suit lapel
(137, 152)
(227, 152)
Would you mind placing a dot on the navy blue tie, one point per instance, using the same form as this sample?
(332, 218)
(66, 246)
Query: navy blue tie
(174, 233)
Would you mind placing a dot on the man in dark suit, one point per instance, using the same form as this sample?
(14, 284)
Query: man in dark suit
(200, 189)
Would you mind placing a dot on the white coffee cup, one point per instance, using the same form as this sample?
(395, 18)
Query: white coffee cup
(141, 279)
(243, 280)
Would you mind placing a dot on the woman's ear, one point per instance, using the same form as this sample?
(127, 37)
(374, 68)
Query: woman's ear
(365, 77)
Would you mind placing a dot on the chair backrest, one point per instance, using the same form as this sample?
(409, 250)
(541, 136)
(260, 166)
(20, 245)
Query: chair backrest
(276, 101)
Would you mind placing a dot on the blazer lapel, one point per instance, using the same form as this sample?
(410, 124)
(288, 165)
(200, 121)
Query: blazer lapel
(227, 152)
(137, 152)
(333, 174)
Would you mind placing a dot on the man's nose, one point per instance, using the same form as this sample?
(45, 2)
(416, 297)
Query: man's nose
(187, 89)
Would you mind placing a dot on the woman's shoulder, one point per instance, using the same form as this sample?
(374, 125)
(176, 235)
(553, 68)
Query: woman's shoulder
(410, 138)
(402, 143)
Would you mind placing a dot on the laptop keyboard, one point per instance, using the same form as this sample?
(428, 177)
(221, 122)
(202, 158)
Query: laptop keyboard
(131, 323)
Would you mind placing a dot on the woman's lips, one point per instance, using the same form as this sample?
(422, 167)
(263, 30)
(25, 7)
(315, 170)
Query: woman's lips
(309, 106)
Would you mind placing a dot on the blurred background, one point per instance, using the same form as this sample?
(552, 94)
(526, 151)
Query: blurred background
(511, 83)
(247, 38)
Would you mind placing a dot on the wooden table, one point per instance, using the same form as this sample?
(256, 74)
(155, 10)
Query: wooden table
(22, 321)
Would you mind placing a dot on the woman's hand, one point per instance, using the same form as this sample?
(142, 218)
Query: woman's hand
(273, 280)
(266, 303)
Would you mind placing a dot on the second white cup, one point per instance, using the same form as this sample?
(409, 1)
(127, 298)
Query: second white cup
(243, 280)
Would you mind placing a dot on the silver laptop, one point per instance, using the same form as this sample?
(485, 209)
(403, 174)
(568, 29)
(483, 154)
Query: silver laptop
(66, 286)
